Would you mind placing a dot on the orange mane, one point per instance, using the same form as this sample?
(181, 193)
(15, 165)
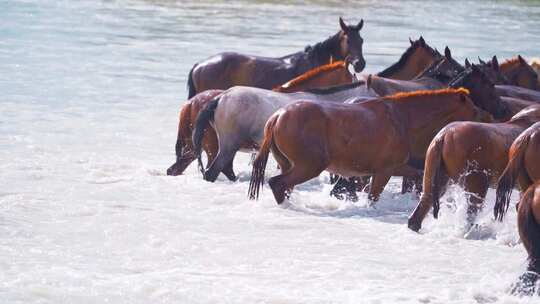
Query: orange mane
(312, 73)
(509, 63)
(422, 93)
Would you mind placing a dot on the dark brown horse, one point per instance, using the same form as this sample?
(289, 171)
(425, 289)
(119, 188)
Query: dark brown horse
(415, 60)
(226, 70)
(523, 167)
(491, 69)
(528, 220)
(307, 138)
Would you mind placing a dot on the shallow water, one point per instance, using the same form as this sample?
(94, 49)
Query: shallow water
(88, 116)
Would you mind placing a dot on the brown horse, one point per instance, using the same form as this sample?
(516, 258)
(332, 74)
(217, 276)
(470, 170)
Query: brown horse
(528, 220)
(415, 60)
(523, 167)
(520, 73)
(307, 138)
(226, 70)
(471, 154)
(184, 144)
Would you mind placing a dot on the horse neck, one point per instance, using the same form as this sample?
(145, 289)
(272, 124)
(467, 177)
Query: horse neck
(511, 73)
(323, 52)
(408, 67)
(339, 75)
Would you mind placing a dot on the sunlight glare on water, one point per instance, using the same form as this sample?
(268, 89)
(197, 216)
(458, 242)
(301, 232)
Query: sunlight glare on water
(88, 118)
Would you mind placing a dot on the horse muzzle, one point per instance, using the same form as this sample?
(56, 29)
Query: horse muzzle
(358, 65)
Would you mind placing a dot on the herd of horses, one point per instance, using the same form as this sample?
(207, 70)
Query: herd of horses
(426, 118)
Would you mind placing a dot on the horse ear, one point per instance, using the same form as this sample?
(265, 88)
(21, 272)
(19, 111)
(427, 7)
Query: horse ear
(521, 60)
(481, 61)
(360, 25)
(422, 41)
(467, 63)
(342, 25)
(447, 53)
(495, 63)
(475, 68)
(410, 41)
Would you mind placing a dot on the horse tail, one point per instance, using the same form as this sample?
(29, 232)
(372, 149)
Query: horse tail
(190, 85)
(259, 165)
(507, 180)
(530, 228)
(183, 123)
(433, 171)
(203, 120)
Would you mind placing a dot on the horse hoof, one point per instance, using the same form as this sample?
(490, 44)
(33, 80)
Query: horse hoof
(414, 226)
(207, 176)
(173, 171)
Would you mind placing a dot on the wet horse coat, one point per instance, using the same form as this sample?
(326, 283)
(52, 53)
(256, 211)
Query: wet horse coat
(376, 137)
(240, 113)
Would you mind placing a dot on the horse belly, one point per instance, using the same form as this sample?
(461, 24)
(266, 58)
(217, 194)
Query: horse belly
(375, 147)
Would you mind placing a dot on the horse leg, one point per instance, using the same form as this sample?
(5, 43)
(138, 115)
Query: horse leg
(528, 220)
(475, 185)
(379, 180)
(301, 172)
(407, 185)
(211, 147)
(345, 186)
(438, 182)
(362, 183)
(224, 158)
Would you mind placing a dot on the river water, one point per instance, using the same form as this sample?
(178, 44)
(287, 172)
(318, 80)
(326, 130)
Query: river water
(90, 92)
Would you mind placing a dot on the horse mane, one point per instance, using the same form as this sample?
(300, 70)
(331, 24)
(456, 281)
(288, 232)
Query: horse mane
(404, 57)
(508, 63)
(424, 93)
(322, 50)
(336, 88)
(312, 74)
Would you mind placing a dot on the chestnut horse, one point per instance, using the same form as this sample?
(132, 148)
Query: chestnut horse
(239, 114)
(332, 74)
(226, 70)
(377, 137)
(520, 73)
(523, 167)
(471, 154)
(528, 220)
(184, 145)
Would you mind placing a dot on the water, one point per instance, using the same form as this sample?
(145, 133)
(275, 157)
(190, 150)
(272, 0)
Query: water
(88, 116)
